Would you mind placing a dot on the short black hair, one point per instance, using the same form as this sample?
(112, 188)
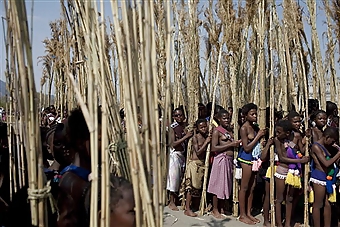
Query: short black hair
(293, 114)
(286, 125)
(77, 129)
(217, 109)
(201, 120)
(330, 108)
(179, 109)
(248, 107)
(221, 112)
(209, 107)
(316, 113)
(331, 132)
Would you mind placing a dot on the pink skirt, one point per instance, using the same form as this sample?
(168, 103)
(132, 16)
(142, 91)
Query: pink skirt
(221, 176)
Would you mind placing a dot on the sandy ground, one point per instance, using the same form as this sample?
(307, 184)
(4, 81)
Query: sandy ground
(178, 219)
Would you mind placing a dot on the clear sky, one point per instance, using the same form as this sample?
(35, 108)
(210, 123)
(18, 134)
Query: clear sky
(49, 10)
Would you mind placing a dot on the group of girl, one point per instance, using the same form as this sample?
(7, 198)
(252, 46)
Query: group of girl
(292, 138)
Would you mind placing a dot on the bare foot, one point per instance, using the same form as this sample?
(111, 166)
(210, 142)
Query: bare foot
(190, 213)
(251, 217)
(173, 207)
(246, 220)
(217, 214)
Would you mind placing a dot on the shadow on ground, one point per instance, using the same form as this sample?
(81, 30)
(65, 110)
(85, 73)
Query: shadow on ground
(213, 223)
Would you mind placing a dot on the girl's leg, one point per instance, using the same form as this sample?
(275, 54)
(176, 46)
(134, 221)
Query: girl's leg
(280, 188)
(188, 200)
(250, 196)
(172, 203)
(289, 205)
(327, 213)
(246, 177)
(319, 198)
(215, 212)
(266, 205)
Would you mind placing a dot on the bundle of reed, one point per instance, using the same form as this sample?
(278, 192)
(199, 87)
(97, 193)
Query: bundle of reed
(139, 46)
(97, 88)
(330, 56)
(262, 71)
(192, 66)
(316, 58)
(30, 131)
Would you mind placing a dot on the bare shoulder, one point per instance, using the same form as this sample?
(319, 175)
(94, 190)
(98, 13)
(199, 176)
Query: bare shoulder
(315, 147)
(243, 128)
(216, 132)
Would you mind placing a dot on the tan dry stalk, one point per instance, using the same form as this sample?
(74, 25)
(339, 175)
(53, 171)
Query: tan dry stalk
(316, 57)
(17, 12)
(203, 202)
(272, 108)
(143, 147)
(330, 52)
(283, 95)
(105, 174)
(261, 64)
(235, 104)
(166, 117)
(192, 68)
(306, 174)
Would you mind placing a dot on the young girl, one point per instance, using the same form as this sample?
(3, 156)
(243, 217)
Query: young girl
(320, 121)
(221, 177)
(191, 186)
(323, 175)
(248, 158)
(287, 172)
(296, 137)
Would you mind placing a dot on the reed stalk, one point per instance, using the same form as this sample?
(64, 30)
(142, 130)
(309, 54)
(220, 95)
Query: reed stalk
(272, 108)
(203, 201)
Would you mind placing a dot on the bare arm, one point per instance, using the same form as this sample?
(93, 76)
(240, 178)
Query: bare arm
(264, 154)
(201, 150)
(248, 147)
(321, 157)
(301, 146)
(281, 152)
(173, 142)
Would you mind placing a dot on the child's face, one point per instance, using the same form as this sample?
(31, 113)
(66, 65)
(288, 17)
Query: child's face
(280, 133)
(179, 116)
(202, 128)
(296, 122)
(224, 120)
(321, 120)
(252, 116)
(124, 214)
